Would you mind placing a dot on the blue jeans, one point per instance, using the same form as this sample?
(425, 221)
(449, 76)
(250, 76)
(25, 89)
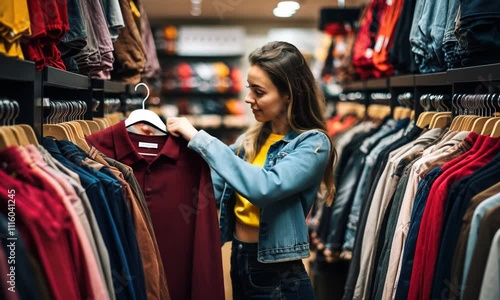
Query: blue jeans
(252, 279)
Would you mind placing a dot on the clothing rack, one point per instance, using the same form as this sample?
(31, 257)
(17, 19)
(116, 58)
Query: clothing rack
(30, 88)
(470, 80)
(18, 81)
(105, 89)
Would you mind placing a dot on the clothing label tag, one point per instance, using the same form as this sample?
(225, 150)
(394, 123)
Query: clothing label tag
(369, 53)
(386, 42)
(379, 44)
(148, 145)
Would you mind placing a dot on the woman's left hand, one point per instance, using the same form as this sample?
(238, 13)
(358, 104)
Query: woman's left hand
(181, 127)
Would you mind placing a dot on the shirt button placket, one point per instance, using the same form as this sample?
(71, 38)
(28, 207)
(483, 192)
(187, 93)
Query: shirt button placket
(147, 184)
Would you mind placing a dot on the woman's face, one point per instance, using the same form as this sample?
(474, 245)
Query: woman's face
(264, 98)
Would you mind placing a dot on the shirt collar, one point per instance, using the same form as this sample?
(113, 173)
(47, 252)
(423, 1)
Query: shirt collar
(290, 136)
(126, 152)
(50, 145)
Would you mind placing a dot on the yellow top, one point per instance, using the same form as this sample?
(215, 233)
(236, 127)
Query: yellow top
(14, 23)
(245, 211)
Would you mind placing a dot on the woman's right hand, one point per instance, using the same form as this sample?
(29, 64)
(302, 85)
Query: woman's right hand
(181, 127)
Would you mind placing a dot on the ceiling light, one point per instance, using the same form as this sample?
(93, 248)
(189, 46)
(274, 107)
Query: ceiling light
(195, 11)
(283, 12)
(291, 5)
(196, 8)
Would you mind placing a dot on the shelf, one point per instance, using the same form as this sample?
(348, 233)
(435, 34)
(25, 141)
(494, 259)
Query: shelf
(432, 79)
(16, 69)
(64, 79)
(355, 86)
(484, 73)
(109, 87)
(236, 121)
(378, 84)
(402, 81)
(162, 54)
(337, 15)
(213, 121)
(198, 94)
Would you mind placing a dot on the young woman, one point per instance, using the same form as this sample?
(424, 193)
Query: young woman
(267, 181)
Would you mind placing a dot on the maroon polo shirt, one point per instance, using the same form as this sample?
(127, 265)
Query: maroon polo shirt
(483, 151)
(179, 194)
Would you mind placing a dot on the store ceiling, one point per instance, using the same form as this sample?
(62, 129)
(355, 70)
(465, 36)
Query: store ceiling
(234, 10)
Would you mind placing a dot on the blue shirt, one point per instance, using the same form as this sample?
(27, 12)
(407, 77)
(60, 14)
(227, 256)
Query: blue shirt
(122, 281)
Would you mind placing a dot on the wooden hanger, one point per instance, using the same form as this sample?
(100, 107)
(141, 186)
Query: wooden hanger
(4, 142)
(470, 122)
(30, 134)
(85, 127)
(406, 113)
(20, 135)
(478, 124)
(7, 139)
(489, 126)
(101, 123)
(81, 142)
(56, 131)
(360, 110)
(457, 119)
(463, 123)
(440, 120)
(70, 130)
(105, 121)
(397, 113)
(53, 128)
(496, 129)
(93, 126)
(425, 118)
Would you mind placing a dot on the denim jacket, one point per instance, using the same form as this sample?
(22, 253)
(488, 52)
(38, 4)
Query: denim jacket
(284, 190)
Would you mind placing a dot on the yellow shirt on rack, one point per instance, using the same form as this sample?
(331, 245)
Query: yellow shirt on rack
(245, 211)
(14, 23)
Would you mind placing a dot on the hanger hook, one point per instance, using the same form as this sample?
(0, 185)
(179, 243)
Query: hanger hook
(147, 95)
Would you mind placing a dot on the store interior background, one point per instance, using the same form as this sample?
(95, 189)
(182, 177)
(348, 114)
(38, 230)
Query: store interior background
(255, 18)
(258, 24)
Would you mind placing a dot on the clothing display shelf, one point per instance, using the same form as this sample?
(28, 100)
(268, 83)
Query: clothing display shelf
(477, 80)
(198, 94)
(329, 15)
(175, 94)
(33, 89)
(433, 79)
(103, 89)
(20, 82)
(62, 85)
(166, 55)
(378, 84)
(469, 80)
(403, 81)
(172, 60)
(354, 86)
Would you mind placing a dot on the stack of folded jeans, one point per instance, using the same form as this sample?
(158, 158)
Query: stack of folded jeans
(426, 34)
(478, 32)
(450, 43)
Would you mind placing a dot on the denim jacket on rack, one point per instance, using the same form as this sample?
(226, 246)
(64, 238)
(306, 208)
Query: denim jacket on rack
(284, 189)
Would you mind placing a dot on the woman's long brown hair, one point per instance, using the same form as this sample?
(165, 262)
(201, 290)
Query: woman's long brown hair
(290, 73)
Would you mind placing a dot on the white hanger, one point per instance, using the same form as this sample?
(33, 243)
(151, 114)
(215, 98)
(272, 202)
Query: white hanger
(145, 115)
